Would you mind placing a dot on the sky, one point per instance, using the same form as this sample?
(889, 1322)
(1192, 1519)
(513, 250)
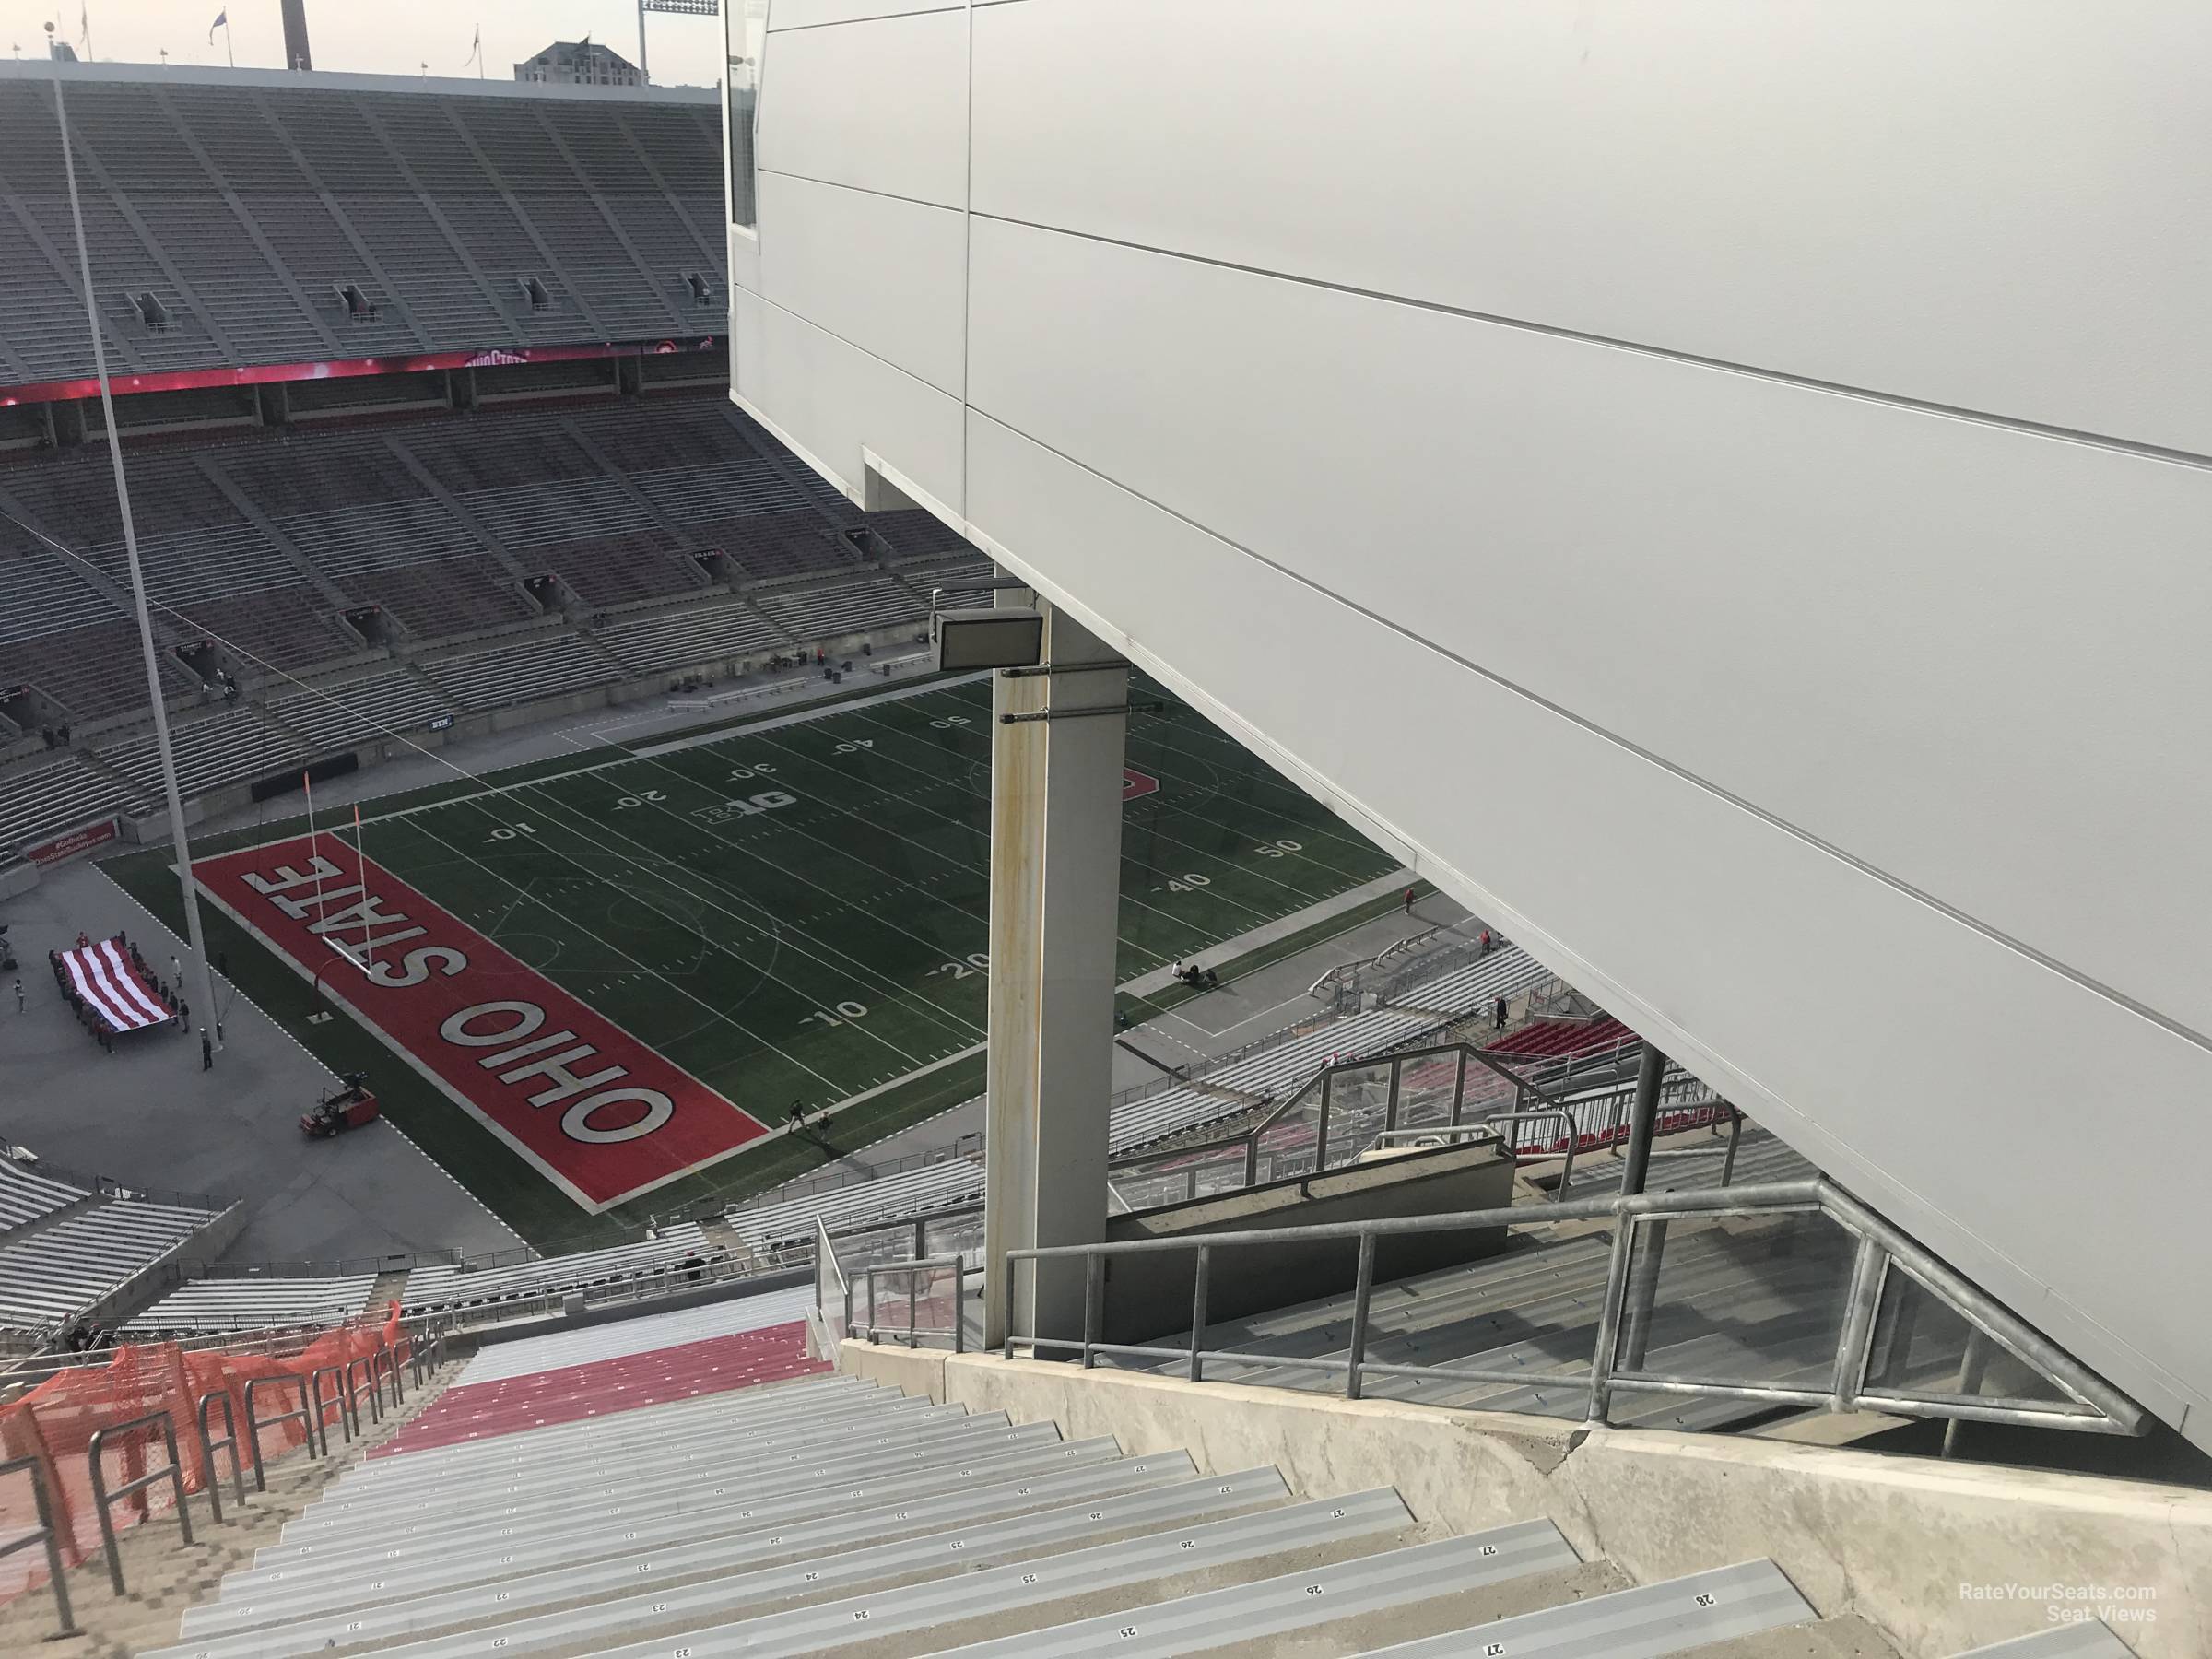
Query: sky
(385, 37)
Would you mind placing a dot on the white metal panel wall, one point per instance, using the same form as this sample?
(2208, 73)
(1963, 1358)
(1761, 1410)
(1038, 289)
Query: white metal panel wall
(827, 258)
(879, 105)
(1851, 748)
(1909, 1055)
(836, 403)
(1864, 619)
(1994, 203)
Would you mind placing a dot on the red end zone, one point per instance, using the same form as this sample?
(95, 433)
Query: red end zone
(595, 1111)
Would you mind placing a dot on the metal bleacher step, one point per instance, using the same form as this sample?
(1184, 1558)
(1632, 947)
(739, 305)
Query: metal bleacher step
(1675, 1616)
(609, 1432)
(951, 1549)
(1364, 1587)
(2089, 1638)
(728, 1448)
(1024, 1593)
(358, 1611)
(831, 1484)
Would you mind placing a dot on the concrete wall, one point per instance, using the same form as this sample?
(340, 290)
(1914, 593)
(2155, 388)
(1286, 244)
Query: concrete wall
(1890, 1539)
(1756, 458)
(1149, 1295)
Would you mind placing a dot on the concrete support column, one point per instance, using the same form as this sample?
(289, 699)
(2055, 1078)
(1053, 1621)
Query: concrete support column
(1055, 887)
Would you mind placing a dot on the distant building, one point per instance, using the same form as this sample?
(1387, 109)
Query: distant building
(580, 64)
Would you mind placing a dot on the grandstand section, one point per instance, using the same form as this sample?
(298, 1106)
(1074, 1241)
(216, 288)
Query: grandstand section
(250, 1304)
(70, 1266)
(244, 218)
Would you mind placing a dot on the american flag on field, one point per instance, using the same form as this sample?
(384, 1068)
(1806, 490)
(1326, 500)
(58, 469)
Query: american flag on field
(117, 992)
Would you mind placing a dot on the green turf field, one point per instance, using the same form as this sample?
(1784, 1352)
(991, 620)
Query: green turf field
(826, 944)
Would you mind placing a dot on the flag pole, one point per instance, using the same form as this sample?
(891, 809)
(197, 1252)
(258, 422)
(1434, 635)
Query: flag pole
(203, 980)
(230, 50)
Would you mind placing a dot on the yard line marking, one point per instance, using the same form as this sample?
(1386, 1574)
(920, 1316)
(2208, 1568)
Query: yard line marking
(625, 955)
(890, 987)
(1128, 857)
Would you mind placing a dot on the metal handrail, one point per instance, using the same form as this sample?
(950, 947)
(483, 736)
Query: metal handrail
(209, 1446)
(43, 1534)
(337, 1400)
(355, 1390)
(101, 1497)
(305, 1417)
(914, 1269)
(2103, 1409)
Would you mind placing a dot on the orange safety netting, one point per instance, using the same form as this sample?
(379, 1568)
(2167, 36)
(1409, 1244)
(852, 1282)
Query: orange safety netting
(55, 1422)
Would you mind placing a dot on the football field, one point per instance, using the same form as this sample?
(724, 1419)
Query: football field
(793, 912)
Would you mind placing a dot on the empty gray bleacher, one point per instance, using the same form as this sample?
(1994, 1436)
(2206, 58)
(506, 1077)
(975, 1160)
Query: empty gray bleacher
(846, 607)
(822, 1513)
(68, 1266)
(255, 1304)
(787, 1226)
(546, 665)
(376, 155)
(430, 1288)
(721, 489)
(38, 803)
(1279, 1072)
(677, 639)
(230, 748)
(336, 716)
(25, 1194)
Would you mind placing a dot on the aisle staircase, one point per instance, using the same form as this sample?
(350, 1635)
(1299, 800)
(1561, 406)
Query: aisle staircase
(691, 1484)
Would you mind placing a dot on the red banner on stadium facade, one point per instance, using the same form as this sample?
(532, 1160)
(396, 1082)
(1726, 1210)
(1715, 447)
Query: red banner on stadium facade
(596, 1111)
(262, 374)
(71, 845)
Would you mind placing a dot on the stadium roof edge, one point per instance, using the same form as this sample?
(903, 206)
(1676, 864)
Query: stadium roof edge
(41, 69)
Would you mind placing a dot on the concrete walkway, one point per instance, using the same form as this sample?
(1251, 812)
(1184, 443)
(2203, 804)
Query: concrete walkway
(147, 1115)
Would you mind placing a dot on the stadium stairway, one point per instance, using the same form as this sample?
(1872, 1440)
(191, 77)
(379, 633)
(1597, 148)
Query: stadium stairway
(783, 1510)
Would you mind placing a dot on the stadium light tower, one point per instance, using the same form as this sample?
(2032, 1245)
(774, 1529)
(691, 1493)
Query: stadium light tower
(683, 8)
(202, 981)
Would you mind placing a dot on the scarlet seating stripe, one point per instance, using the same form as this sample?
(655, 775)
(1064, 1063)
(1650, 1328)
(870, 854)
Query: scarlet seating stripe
(717, 1365)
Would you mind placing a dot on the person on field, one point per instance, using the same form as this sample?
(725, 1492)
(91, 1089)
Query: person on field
(1409, 901)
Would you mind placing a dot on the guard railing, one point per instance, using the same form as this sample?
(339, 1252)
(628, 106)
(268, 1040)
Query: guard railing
(913, 1272)
(1890, 1276)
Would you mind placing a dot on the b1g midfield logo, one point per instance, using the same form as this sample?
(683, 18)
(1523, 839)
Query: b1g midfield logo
(745, 807)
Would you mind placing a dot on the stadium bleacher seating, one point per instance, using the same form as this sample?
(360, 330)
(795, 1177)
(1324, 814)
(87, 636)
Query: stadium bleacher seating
(437, 1288)
(246, 210)
(548, 664)
(844, 607)
(694, 634)
(252, 1304)
(689, 1484)
(39, 802)
(1276, 1073)
(777, 1230)
(25, 1194)
(56, 1272)
(222, 749)
(337, 715)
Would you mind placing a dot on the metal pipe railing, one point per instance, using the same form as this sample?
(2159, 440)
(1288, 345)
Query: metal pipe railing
(42, 1535)
(912, 1269)
(102, 1497)
(306, 1417)
(1624, 1312)
(209, 1446)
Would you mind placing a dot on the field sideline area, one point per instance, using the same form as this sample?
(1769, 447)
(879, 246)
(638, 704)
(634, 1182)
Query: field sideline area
(790, 911)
